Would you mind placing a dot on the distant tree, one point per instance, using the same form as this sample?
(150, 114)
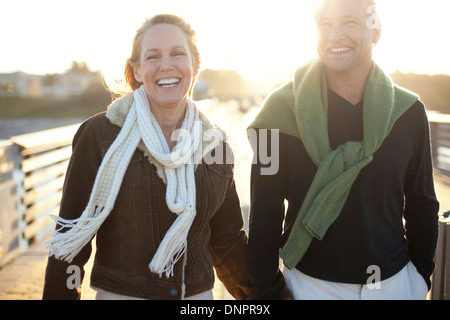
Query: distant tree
(50, 79)
(6, 88)
(79, 67)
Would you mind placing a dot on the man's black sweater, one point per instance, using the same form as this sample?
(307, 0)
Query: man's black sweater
(390, 216)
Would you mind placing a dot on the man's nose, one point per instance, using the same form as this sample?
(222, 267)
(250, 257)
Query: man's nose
(336, 32)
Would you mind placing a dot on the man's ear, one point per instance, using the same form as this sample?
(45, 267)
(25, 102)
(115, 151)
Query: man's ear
(377, 35)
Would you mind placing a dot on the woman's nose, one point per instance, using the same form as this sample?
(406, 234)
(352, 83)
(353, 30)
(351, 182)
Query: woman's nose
(166, 64)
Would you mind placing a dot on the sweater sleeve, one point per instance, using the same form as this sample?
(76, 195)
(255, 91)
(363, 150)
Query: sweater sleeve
(265, 224)
(60, 280)
(421, 205)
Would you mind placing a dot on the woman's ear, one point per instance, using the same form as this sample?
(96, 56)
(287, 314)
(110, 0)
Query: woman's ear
(195, 76)
(137, 74)
(196, 73)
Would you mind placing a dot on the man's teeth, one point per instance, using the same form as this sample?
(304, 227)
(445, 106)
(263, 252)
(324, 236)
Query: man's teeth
(168, 82)
(338, 50)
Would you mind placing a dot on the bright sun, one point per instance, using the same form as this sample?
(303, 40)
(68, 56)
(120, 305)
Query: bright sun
(262, 39)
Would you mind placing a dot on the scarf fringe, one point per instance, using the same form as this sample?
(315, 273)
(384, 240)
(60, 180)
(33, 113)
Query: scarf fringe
(66, 245)
(173, 246)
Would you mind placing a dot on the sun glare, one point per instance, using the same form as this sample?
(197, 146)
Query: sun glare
(263, 40)
(414, 34)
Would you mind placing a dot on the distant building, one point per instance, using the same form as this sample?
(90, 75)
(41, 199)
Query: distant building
(20, 84)
(70, 83)
(67, 84)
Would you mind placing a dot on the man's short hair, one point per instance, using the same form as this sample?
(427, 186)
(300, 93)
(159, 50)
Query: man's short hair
(370, 3)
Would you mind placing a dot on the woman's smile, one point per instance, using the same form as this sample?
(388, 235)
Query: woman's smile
(168, 83)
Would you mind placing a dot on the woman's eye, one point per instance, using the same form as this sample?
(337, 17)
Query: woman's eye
(152, 57)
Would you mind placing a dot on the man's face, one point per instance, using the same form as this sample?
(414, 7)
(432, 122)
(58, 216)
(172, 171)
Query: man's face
(345, 35)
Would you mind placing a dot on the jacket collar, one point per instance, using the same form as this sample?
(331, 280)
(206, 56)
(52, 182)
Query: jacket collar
(118, 110)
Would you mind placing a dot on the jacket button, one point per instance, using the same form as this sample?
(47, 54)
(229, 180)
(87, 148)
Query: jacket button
(222, 170)
(173, 292)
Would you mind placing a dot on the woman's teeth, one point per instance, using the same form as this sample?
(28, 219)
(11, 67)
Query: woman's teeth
(168, 82)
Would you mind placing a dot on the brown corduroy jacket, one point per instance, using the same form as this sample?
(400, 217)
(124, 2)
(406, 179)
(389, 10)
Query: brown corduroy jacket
(130, 236)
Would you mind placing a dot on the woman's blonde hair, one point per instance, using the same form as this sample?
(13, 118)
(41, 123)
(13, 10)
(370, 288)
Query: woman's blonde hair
(131, 84)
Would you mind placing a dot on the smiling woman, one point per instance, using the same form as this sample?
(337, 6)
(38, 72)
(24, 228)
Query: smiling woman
(144, 50)
(166, 61)
(135, 187)
(166, 68)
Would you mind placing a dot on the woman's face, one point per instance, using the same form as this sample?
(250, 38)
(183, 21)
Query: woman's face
(166, 66)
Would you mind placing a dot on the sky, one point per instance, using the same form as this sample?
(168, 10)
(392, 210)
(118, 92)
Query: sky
(262, 40)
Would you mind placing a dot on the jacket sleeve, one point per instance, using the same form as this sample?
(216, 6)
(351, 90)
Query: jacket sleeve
(266, 223)
(60, 280)
(228, 245)
(421, 205)
(228, 241)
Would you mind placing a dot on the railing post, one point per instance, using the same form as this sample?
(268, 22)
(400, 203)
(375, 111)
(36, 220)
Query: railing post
(440, 289)
(19, 176)
(10, 241)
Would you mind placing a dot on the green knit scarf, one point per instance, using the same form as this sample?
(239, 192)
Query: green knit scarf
(299, 108)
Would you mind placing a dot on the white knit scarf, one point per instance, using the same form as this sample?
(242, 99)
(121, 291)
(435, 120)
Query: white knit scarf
(140, 124)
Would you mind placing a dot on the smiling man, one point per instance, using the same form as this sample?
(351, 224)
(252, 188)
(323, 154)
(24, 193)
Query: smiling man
(345, 43)
(355, 165)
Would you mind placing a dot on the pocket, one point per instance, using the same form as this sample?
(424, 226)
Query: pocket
(223, 170)
(220, 176)
(407, 284)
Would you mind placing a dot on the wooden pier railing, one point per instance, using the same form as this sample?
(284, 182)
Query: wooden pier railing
(440, 289)
(32, 170)
(440, 139)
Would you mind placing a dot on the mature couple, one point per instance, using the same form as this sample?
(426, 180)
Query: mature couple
(354, 171)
